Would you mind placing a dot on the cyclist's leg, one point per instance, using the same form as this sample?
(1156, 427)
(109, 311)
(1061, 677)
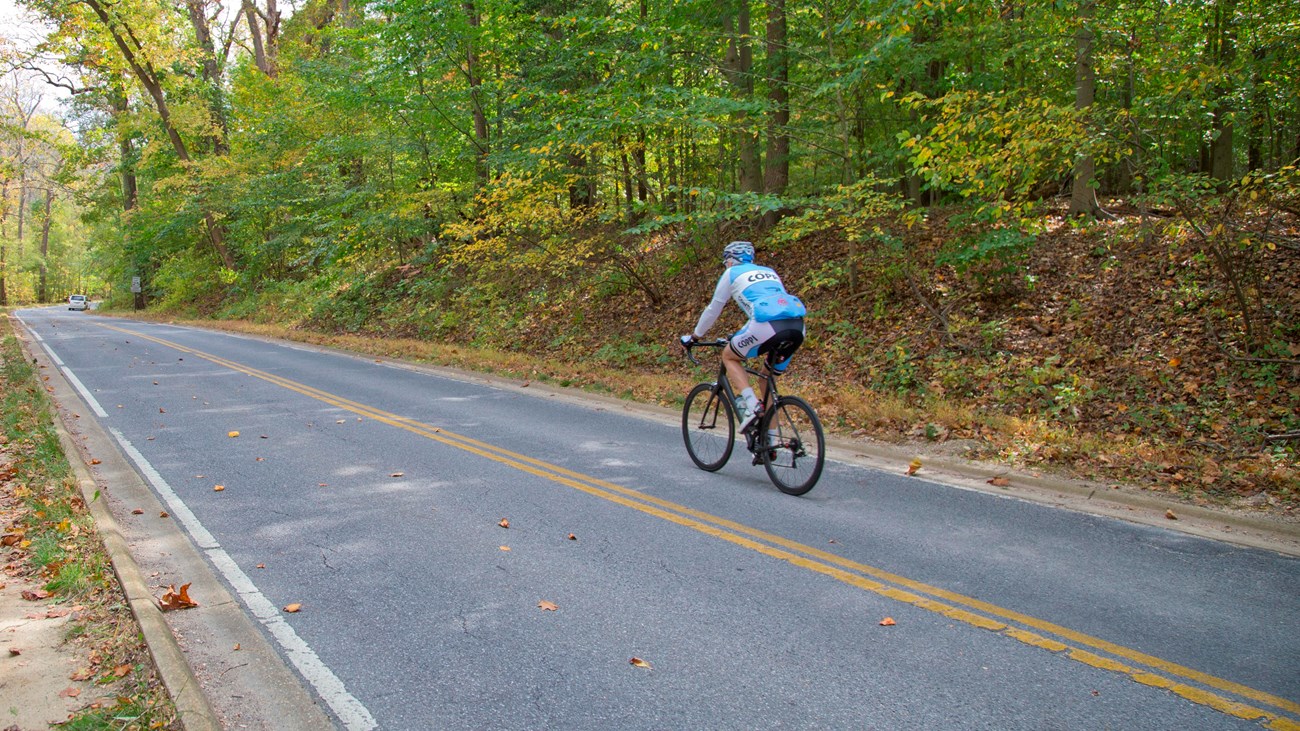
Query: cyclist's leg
(744, 344)
(786, 338)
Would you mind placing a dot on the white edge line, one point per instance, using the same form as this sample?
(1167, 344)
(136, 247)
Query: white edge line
(85, 394)
(350, 711)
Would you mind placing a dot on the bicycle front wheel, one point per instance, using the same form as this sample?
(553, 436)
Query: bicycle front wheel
(707, 427)
(794, 448)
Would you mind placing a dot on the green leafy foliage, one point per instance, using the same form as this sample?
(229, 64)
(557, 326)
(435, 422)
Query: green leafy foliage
(506, 172)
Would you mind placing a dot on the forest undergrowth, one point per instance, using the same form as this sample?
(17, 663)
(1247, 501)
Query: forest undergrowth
(1112, 351)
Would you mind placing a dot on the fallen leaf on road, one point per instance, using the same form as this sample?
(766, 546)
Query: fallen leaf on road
(15, 651)
(121, 670)
(505, 523)
(261, 566)
(218, 488)
(35, 595)
(236, 648)
(232, 434)
(639, 662)
(69, 692)
(505, 548)
(397, 474)
(82, 674)
(914, 466)
(572, 537)
(138, 511)
(174, 599)
(888, 622)
(548, 606)
(999, 481)
(164, 514)
(162, 410)
(293, 608)
(1170, 515)
(94, 461)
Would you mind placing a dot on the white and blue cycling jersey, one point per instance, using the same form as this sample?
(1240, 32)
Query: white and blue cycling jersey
(757, 290)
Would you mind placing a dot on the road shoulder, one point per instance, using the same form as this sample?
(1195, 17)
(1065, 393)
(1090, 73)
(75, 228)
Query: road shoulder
(215, 648)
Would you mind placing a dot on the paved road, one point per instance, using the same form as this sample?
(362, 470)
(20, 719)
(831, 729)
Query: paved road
(372, 494)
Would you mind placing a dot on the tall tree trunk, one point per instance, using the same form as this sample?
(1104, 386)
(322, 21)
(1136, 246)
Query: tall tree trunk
(21, 159)
(145, 74)
(481, 141)
(582, 192)
(22, 201)
(642, 177)
(1224, 44)
(148, 78)
(213, 87)
(627, 178)
(264, 29)
(1128, 163)
(924, 36)
(1257, 133)
(1083, 197)
(125, 148)
(777, 170)
(739, 66)
(4, 271)
(42, 291)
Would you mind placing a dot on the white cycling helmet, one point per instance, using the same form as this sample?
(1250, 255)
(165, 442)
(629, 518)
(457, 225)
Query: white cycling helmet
(740, 251)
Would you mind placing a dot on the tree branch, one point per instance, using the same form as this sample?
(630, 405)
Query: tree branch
(58, 83)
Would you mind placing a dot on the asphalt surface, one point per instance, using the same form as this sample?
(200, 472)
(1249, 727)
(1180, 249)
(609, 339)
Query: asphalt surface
(372, 495)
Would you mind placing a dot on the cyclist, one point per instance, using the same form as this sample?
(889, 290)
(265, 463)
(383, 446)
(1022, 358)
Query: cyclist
(775, 327)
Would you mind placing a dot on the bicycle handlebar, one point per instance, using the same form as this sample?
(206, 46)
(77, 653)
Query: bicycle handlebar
(700, 343)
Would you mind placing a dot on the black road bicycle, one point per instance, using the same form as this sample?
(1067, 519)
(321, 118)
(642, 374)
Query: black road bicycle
(786, 438)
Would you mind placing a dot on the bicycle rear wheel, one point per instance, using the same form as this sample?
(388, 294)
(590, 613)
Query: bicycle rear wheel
(708, 427)
(794, 449)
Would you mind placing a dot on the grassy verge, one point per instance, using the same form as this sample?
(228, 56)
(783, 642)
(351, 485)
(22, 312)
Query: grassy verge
(52, 541)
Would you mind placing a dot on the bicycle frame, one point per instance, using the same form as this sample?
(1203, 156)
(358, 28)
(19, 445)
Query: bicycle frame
(722, 382)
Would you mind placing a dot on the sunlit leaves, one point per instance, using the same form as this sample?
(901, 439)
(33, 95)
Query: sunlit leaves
(994, 147)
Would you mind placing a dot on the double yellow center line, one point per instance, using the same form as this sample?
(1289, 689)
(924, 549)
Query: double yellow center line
(1140, 667)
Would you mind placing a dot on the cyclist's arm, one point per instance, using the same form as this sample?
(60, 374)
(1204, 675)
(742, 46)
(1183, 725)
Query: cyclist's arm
(721, 294)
